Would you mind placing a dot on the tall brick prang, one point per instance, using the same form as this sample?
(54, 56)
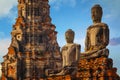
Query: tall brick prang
(33, 48)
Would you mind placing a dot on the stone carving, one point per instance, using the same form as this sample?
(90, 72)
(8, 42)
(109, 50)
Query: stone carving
(35, 35)
(16, 36)
(9, 66)
(15, 43)
(94, 63)
(97, 37)
(34, 49)
(96, 69)
(70, 54)
(70, 51)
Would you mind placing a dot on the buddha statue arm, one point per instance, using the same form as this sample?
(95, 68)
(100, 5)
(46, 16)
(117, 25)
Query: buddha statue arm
(75, 49)
(103, 38)
(87, 41)
(63, 57)
(78, 47)
(106, 36)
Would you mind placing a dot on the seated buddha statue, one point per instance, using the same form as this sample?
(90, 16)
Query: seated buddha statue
(97, 37)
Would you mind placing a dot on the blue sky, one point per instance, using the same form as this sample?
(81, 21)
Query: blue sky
(65, 14)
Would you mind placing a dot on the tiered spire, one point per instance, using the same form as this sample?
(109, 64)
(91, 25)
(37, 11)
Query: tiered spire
(33, 42)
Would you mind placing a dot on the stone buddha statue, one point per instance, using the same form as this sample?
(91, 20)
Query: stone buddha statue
(97, 37)
(70, 53)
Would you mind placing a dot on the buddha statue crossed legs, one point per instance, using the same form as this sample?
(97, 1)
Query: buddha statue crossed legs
(97, 37)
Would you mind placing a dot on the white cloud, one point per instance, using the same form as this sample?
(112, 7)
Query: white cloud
(6, 6)
(4, 44)
(112, 8)
(107, 16)
(58, 3)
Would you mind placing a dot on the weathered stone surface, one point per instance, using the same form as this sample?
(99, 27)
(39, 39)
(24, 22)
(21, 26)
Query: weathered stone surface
(97, 37)
(70, 51)
(34, 51)
(70, 55)
(66, 77)
(33, 48)
(94, 63)
(97, 69)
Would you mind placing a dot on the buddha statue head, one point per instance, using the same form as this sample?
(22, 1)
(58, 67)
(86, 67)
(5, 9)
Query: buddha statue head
(69, 36)
(96, 13)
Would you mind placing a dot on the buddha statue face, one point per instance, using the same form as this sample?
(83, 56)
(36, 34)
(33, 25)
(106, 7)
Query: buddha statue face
(69, 36)
(96, 13)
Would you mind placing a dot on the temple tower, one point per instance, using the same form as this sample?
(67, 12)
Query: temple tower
(33, 49)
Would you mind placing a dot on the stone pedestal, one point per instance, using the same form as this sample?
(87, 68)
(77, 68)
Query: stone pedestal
(92, 69)
(96, 69)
